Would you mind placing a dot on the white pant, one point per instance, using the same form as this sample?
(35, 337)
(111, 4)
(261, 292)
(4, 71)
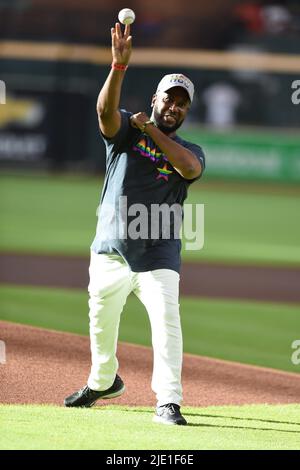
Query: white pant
(111, 281)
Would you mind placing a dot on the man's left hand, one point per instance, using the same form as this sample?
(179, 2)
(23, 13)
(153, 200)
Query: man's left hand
(139, 119)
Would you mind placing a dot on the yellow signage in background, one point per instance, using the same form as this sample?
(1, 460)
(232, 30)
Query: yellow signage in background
(27, 112)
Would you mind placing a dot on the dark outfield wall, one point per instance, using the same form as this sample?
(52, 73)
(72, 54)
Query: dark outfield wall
(49, 119)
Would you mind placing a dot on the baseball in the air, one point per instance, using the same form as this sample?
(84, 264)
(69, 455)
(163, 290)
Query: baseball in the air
(126, 16)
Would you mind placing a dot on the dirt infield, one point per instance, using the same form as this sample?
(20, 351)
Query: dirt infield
(205, 280)
(44, 366)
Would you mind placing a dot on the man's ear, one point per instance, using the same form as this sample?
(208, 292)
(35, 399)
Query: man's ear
(153, 100)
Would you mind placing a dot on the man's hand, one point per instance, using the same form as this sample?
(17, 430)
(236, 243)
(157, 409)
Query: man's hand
(138, 120)
(121, 44)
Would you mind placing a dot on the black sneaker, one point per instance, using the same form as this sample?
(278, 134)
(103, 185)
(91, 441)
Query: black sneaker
(169, 414)
(85, 398)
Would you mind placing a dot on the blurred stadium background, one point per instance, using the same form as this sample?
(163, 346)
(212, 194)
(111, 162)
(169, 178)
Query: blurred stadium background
(244, 58)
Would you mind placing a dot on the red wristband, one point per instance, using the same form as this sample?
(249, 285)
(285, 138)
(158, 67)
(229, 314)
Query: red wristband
(115, 66)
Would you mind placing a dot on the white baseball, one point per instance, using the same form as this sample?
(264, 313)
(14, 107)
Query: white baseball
(126, 16)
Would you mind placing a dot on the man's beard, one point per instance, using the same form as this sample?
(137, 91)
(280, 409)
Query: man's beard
(162, 127)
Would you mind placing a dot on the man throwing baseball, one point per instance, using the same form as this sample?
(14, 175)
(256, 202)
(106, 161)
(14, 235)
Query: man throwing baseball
(147, 165)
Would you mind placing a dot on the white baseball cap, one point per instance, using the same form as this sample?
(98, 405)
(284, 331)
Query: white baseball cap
(177, 79)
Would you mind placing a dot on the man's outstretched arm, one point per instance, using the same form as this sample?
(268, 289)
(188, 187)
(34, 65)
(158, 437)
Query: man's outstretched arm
(109, 97)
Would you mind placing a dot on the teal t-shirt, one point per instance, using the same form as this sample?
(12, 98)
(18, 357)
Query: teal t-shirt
(141, 206)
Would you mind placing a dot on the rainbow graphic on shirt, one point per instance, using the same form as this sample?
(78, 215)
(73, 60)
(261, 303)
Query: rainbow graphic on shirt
(164, 172)
(146, 148)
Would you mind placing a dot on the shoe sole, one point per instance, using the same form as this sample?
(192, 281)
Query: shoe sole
(159, 420)
(107, 397)
(114, 395)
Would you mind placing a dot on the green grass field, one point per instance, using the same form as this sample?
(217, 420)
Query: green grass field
(231, 427)
(250, 332)
(243, 223)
